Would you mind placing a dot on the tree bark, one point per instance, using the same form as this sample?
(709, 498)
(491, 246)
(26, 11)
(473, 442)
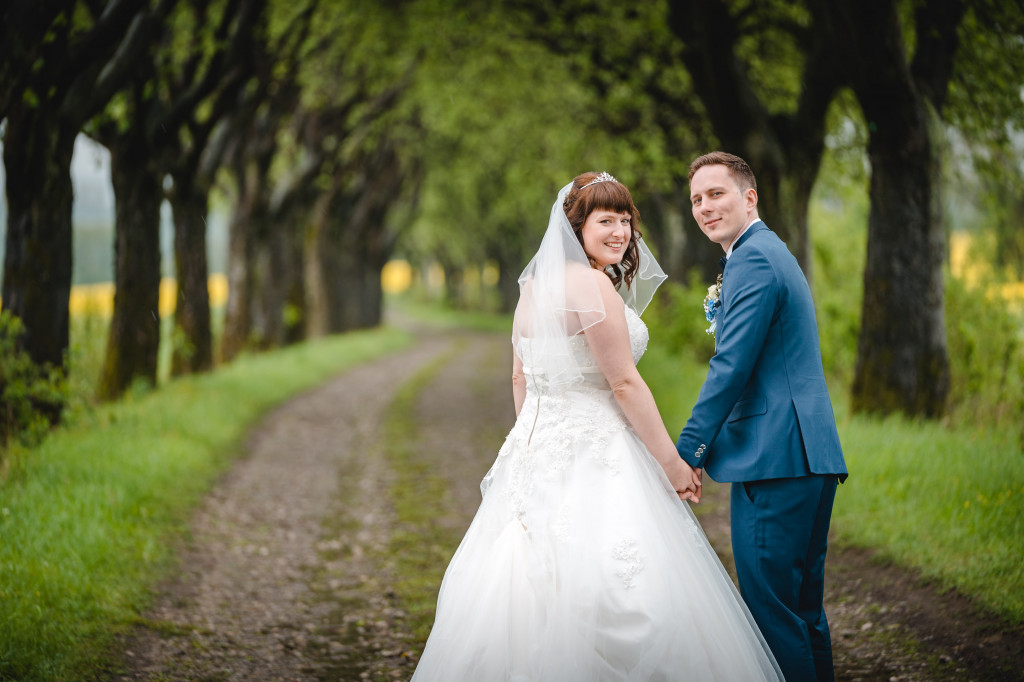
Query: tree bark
(509, 268)
(70, 79)
(38, 146)
(238, 320)
(682, 251)
(902, 360)
(281, 295)
(289, 240)
(354, 240)
(783, 149)
(314, 278)
(350, 269)
(273, 287)
(194, 353)
(454, 285)
(134, 338)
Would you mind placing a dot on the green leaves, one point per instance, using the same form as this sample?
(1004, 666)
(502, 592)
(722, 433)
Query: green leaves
(31, 396)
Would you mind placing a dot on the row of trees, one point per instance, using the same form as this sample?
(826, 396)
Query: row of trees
(286, 105)
(342, 130)
(766, 80)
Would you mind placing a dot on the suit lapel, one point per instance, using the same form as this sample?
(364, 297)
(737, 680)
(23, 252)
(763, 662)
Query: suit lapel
(755, 227)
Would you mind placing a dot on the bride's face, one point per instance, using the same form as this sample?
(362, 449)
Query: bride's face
(606, 235)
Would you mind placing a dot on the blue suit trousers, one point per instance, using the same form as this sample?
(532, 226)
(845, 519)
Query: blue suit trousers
(779, 538)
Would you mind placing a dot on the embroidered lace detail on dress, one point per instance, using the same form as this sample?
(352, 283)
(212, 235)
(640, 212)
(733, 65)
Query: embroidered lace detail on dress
(627, 552)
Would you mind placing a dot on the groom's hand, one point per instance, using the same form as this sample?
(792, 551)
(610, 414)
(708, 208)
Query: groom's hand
(698, 482)
(688, 485)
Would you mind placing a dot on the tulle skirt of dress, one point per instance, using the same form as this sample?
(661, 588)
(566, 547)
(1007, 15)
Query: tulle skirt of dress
(581, 564)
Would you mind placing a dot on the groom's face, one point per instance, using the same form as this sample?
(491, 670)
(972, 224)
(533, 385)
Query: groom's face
(720, 206)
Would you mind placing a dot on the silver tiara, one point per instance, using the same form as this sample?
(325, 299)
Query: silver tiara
(601, 177)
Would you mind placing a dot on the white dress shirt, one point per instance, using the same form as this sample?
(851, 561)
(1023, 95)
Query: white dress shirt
(728, 252)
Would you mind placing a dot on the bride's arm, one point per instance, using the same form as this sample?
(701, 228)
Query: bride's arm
(518, 383)
(609, 342)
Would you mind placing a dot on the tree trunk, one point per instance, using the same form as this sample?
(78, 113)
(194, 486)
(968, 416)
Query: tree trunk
(134, 338)
(350, 286)
(314, 279)
(508, 281)
(38, 255)
(902, 361)
(352, 250)
(682, 251)
(237, 320)
(293, 282)
(273, 291)
(784, 195)
(783, 150)
(279, 292)
(241, 326)
(193, 348)
(454, 286)
(337, 285)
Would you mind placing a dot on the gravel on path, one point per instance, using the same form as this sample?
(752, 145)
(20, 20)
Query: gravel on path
(276, 564)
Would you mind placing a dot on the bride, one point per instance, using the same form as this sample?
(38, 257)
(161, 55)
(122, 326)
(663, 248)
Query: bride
(583, 563)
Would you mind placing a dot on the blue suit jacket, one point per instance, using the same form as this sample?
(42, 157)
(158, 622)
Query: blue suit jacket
(764, 410)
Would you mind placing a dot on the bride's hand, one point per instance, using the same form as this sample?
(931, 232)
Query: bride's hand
(685, 480)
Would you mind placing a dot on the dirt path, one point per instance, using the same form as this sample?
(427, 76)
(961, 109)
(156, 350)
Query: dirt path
(278, 581)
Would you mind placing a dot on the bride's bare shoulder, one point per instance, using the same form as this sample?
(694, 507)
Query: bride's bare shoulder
(584, 284)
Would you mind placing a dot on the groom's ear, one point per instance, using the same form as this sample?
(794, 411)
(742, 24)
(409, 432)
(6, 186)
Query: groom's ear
(750, 196)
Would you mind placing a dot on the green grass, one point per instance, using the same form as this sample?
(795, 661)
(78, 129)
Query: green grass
(437, 315)
(948, 502)
(420, 547)
(88, 518)
(945, 501)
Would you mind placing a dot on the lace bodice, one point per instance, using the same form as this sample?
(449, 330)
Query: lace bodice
(561, 423)
(638, 338)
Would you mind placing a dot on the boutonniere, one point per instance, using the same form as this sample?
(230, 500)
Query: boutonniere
(711, 304)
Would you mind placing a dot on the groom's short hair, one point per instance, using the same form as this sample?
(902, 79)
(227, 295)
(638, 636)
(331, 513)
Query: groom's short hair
(738, 168)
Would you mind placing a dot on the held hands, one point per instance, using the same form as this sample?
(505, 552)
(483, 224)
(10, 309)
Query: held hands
(686, 480)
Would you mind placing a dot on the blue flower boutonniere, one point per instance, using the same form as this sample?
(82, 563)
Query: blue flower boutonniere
(712, 304)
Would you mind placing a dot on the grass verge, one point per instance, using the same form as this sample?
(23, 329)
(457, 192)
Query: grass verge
(437, 315)
(948, 502)
(88, 517)
(420, 547)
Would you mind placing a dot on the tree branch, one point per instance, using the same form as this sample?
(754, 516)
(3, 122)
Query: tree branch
(709, 36)
(25, 24)
(937, 27)
(109, 29)
(224, 66)
(91, 92)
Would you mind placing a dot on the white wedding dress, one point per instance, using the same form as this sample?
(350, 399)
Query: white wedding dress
(582, 565)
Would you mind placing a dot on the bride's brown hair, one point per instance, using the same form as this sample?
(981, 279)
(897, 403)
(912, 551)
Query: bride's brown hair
(607, 195)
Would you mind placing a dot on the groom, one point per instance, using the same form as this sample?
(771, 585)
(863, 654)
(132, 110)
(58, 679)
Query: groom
(764, 420)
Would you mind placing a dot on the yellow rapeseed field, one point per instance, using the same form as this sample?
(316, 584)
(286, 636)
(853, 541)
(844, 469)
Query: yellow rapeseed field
(98, 299)
(974, 270)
